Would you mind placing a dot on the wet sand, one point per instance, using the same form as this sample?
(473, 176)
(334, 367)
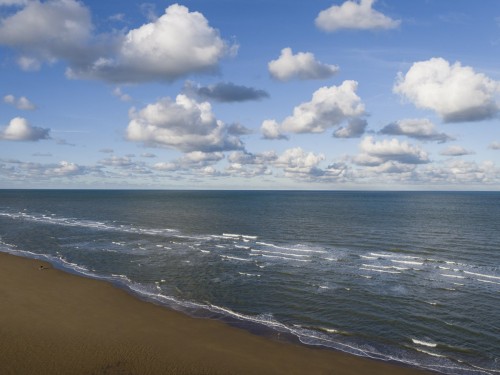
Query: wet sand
(52, 322)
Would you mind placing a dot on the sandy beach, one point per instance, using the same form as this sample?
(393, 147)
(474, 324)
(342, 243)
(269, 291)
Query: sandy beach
(54, 322)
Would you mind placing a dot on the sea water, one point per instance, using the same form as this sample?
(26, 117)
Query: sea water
(412, 277)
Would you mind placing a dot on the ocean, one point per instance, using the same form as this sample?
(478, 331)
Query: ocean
(411, 277)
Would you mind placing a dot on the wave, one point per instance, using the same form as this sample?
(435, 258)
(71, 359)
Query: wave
(424, 343)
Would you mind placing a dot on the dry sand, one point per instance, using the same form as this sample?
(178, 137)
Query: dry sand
(52, 322)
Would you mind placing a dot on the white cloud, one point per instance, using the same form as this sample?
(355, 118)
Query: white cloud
(419, 128)
(13, 2)
(121, 95)
(47, 31)
(460, 172)
(271, 130)
(303, 65)
(298, 163)
(354, 15)
(329, 107)
(375, 153)
(185, 125)
(455, 151)
(65, 169)
(455, 92)
(21, 103)
(19, 129)
(178, 43)
(116, 161)
(355, 128)
(494, 146)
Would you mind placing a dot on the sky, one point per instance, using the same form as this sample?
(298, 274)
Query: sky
(250, 94)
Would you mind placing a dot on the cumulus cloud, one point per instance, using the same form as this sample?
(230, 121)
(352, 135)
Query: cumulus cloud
(455, 151)
(19, 129)
(303, 65)
(198, 161)
(183, 124)
(494, 146)
(460, 172)
(354, 15)
(47, 31)
(355, 128)
(421, 129)
(270, 129)
(375, 153)
(238, 129)
(297, 162)
(178, 43)
(34, 172)
(328, 108)
(455, 92)
(225, 92)
(20, 103)
(13, 2)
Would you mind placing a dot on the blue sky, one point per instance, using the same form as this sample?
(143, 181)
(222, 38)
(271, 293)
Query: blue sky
(258, 94)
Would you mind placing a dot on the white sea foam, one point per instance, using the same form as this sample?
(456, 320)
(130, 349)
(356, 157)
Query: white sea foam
(453, 276)
(377, 270)
(249, 274)
(278, 252)
(429, 353)
(488, 281)
(294, 249)
(242, 247)
(234, 258)
(424, 343)
(285, 258)
(407, 262)
(482, 275)
(367, 257)
(205, 251)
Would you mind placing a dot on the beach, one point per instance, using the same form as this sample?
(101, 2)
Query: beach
(59, 323)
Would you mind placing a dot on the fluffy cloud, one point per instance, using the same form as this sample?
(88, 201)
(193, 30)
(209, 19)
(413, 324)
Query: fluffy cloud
(13, 2)
(34, 172)
(226, 92)
(185, 125)
(494, 146)
(354, 15)
(455, 151)
(329, 107)
(303, 65)
(20, 103)
(460, 172)
(455, 92)
(375, 153)
(176, 44)
(355, 128)
(19, 129)
(192, 160)
(47, 31)
(270, 129)
(421, 129)
(297, 162)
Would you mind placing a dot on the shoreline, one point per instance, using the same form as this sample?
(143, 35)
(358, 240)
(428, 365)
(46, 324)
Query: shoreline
(54, 322)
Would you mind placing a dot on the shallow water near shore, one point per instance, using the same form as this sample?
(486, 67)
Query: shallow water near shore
(407, 276)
